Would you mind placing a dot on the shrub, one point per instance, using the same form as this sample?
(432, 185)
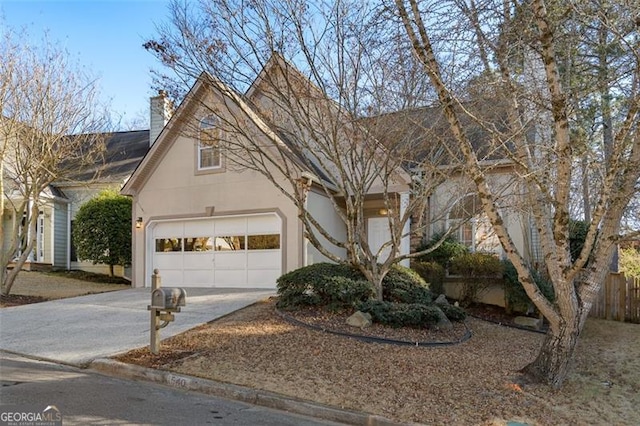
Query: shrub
(577, 234)
(516, 299)
(323, 284)
(335, 286)
(102, 230)
(433, 273)
(404, 285)
(445, 252)
(414, 315)
(479, 271)
(630, 261)
(454, 313)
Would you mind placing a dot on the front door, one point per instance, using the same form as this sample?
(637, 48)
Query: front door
(378, 233)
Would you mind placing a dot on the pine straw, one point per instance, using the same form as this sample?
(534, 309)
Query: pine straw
(472, 383)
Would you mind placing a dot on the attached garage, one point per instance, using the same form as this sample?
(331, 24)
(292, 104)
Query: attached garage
(232, 251)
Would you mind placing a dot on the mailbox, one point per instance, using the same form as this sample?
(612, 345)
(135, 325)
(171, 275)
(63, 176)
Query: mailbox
(168, 298)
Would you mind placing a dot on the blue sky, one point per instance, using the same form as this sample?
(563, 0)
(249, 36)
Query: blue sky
(106, 36)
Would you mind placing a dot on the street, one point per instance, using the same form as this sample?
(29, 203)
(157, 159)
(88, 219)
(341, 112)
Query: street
(84, 397)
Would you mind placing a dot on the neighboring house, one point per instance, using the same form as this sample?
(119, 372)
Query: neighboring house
(61, 201)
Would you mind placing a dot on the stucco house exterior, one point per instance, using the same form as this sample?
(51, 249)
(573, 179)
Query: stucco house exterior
(202, 223)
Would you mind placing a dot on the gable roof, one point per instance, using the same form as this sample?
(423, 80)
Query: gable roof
(187, 108)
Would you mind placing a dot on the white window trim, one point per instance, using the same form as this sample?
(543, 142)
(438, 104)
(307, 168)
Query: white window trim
(202, 147)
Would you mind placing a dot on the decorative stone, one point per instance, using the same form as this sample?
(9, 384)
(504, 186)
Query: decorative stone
(528, 322)
(441, 300)
(359, 319)
(443, 322)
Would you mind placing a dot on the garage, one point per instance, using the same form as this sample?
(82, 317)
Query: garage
(233, 251)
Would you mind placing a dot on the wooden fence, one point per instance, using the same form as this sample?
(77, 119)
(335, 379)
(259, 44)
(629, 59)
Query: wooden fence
(619, 299)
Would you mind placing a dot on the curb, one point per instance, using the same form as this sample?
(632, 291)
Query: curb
(238, 393)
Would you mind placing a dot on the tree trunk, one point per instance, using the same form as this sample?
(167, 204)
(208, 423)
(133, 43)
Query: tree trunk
(111, 270)
(551, 366)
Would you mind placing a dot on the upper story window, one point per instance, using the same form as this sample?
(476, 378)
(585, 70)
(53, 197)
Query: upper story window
(209, 153)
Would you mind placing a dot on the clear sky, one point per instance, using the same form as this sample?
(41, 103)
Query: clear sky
(104, 35)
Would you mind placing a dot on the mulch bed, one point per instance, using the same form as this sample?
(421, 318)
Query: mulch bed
(18, 300)
(336, 323)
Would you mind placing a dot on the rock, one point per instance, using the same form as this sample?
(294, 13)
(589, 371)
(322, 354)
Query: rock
(441, 300)
(528, 322)
(443, 322)
(359, 319)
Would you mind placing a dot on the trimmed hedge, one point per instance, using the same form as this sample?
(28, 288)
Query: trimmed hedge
(323, 284)
(414, 315)
(404, 285)
(338, 286)
(408, 301)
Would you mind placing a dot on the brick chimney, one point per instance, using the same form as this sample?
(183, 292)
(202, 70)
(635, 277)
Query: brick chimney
(160, 110)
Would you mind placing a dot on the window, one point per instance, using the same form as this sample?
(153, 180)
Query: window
(235, 242)
(473, 227)
(198, 244)
(168, 245)
(263, 242)
(209, 156)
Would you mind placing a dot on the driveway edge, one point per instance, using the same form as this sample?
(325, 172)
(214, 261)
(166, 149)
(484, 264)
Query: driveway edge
(238, 393)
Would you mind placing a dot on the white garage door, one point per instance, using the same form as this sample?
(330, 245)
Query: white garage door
(233, 251)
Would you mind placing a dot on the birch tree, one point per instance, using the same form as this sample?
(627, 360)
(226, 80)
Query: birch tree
(44, 98)
(320, 70)
(517, 44)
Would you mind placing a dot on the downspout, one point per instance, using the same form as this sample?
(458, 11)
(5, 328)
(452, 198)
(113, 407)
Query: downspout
(68, 237)
(52, 230)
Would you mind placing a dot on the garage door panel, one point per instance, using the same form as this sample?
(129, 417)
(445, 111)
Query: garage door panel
(168, 229)
(265, 278)
(264, 259)
(230, 226)
(198, 260)
(195, 260)
(198, 278)
(231, 260)
(198, 228)
(168, 261)
(230, 278)
(171, 277)
(263, 224)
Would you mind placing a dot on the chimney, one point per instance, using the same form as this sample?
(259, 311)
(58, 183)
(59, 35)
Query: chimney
(160, 113)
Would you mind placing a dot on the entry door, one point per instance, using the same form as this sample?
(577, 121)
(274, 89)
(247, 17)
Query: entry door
(378, 233)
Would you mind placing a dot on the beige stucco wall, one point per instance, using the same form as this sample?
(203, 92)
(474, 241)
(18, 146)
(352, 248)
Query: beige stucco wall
(324, 212)
(176, 191)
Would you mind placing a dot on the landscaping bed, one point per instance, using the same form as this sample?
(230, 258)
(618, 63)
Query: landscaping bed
(476, 382)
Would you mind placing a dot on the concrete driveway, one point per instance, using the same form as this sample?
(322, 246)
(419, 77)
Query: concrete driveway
(78, 330)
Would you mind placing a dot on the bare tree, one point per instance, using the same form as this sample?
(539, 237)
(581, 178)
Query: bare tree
(44, 99)
(522, 39)
(313, 71)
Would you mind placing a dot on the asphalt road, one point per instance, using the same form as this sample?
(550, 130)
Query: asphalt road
(87, 398)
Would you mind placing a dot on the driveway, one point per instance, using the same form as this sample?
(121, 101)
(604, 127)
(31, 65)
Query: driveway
(78, 330)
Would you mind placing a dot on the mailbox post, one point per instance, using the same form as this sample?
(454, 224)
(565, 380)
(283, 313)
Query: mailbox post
(164, 302)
